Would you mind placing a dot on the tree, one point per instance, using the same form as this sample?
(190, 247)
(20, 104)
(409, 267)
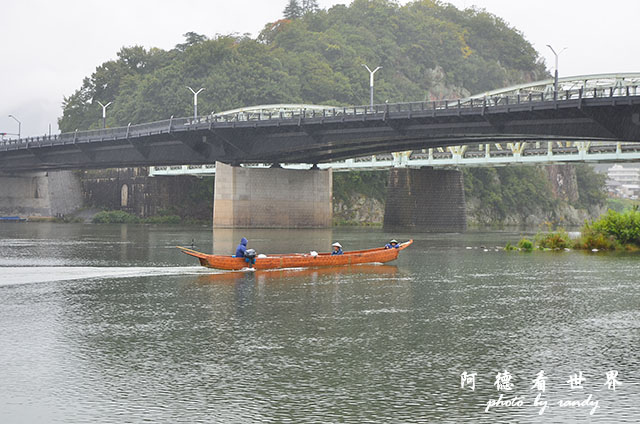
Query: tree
(191, 38)
(293, 10)
(310, 6)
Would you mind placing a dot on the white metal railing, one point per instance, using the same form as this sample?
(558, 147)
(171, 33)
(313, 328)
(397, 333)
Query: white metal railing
(486, 154)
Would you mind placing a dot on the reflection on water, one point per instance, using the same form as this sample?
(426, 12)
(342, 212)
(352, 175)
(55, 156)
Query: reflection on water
(116, 325)
(313, 274)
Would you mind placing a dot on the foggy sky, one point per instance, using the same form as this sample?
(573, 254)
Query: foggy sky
(48, 47)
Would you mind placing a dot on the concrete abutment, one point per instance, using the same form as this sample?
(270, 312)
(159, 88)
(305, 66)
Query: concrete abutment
(40, 194)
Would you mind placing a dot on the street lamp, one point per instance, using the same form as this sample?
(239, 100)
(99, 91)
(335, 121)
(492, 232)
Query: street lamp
(104, 114)
(19, 124)
(195, 101)
(555, 81)
(371, 81)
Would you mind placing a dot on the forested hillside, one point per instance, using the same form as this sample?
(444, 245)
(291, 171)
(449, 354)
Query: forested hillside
(427, 49)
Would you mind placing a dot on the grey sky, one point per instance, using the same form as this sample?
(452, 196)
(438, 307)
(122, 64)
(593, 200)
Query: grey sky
(48, 47)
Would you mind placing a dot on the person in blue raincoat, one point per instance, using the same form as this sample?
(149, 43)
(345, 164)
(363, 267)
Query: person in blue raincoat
(242, 248)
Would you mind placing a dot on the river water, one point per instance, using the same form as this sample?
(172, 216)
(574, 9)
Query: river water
(111, 324)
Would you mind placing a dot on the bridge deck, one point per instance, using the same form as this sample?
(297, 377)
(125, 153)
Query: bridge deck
(320, 135)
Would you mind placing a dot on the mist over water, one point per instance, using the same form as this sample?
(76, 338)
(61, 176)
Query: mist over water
(113, 324)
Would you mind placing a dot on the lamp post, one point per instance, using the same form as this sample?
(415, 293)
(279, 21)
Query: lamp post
(104, 114)
(371, 82)
(19, 124)
(195, 101)
(555, 81)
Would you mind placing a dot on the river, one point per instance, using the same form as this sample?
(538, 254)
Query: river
(112, 324)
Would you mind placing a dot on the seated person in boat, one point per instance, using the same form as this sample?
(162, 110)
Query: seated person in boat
(337, 249)
(393, 244)
(249, 255)
(242, 247)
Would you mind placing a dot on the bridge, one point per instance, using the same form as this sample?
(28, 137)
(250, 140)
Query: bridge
(589, 118)
(584, 109)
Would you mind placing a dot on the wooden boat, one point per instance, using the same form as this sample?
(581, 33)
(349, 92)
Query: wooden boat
(299, 260)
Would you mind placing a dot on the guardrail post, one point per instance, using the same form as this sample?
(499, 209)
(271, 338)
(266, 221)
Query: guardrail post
(128, 127)
(170, 123)
(75, 135)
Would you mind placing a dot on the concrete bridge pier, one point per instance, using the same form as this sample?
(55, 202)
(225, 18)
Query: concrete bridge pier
(272, 197)
(39, 194)
(425, 200)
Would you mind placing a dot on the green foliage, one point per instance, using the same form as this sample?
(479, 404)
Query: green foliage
(525, 244)
(624, 227)
(163, 219)
(612, 231)
(369, 183)
(115, 217)
(558, 239)
(293, 10)
(621, 205)
(191, 38)
(510, 247)
(591, 186)
(428, 50)
(122, 217)
(509, 190)
(595, 240)
(310, 6)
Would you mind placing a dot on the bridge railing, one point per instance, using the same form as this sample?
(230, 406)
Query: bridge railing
(407, 108)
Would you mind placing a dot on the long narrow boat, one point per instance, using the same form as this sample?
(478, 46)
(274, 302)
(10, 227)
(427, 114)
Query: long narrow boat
(299, 260)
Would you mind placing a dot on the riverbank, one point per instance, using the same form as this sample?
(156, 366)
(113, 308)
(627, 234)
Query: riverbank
(612, 231)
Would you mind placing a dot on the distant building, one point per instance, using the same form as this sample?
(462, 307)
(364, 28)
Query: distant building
(623, 181)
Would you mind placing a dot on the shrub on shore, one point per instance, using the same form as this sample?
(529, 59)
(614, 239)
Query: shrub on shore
(612, 231)
(122, 217)
(525, 244)
(554, 240)
(115, 217)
